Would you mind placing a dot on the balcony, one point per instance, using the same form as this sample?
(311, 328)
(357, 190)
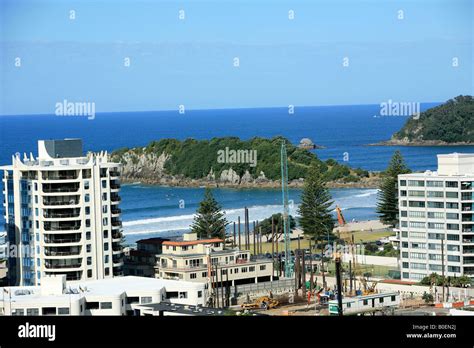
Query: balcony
(60, 175)
(116, 247)
(115, 198)
(74, 275)
(116, 235)
(114, 173)
(62, 238)
(64, 251)
(61, 213)
(62, 264)
(116, 211)
(50, 201)
(62, 226)
(466, 196)
(116, 223)
(60, 188)
(114, 186)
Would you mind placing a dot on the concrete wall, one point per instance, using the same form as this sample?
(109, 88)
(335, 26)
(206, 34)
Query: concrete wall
(372, 260)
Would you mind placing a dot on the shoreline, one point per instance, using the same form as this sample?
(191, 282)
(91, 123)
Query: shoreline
(427, 143)
(364, 183)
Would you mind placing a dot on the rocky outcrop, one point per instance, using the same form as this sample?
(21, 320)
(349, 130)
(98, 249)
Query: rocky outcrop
(149, 168)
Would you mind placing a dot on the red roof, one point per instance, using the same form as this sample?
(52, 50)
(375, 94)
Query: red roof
(193, 242)
(397, 281)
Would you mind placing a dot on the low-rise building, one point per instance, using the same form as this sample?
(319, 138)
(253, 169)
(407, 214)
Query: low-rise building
(111, 296)
(197, 260)
(142, 260)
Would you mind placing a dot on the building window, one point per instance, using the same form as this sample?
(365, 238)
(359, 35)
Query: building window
(92, 305)
(106, 246)
(365, 302)
(89, 273)
(104, 209)
(236, 270)
(183, 294)
(106, 305)
(88, 223)
(88, 235)
(63, 311)
(87, 198)
(107, 271)
(393, 298)
(451, 195)
(88, 210)
(104, 183)
(452, 206)
(171, 294)
(252, 269)
(199, 293)
(381, 300)
(193, 276)
(451, 184)
(32, 311)
(263, 267)
(17, 312)
(106, 233)
(146, 299)
(204, 274)
(88, 248)
(106, 259)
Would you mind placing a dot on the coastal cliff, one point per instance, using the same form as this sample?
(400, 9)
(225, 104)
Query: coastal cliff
(449, 124)
(193, 163)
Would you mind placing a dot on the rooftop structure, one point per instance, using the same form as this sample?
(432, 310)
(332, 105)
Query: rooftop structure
(113, 296)
(436, 213)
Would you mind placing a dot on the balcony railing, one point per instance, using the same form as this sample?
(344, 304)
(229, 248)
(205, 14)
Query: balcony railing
(61, 177)
(54, 202)
(114, 173)
(117, 223)
(116, 211)
(115, 198)
(71, 227)
(62, 240)
(114, 186)
(60, 189)
(71, 252)
(51, 215)
(61, 266)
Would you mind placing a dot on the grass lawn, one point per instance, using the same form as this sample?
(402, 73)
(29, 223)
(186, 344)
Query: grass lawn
(364, 236)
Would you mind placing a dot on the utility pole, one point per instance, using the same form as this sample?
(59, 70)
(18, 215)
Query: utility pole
(339, 285)
(238, 223)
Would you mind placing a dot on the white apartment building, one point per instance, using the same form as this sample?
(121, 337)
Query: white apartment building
(436, 214)
(113, 296)
(62, 214)
(196, 260)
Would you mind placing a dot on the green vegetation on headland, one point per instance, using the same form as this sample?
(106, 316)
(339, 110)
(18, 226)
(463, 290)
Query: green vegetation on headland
(226, 160)
(451, 123)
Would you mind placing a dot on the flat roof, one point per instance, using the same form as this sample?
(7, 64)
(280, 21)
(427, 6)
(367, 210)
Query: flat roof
(108, 287)
(183, 309)
(154, 241)
(193, 242)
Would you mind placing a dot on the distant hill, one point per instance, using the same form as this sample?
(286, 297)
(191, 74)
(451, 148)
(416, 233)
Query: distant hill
(451, 123)
(217, 162)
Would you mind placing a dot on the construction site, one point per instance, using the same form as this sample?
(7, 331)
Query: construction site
(327, 277)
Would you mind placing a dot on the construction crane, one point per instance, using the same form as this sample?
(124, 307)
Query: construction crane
(286, 210)
(340, 217)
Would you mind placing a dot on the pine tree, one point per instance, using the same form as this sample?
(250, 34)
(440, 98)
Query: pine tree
(210, 221)
(387, 205)
(315, 208)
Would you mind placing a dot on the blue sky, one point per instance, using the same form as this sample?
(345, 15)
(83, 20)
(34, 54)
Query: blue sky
(190, 61)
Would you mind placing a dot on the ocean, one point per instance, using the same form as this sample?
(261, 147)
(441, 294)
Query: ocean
(344, 131)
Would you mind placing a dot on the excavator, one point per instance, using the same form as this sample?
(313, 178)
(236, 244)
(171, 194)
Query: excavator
(263, 302)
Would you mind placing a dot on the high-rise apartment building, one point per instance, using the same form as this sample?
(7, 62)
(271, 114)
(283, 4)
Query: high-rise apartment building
(436, 214)
(62, 214)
